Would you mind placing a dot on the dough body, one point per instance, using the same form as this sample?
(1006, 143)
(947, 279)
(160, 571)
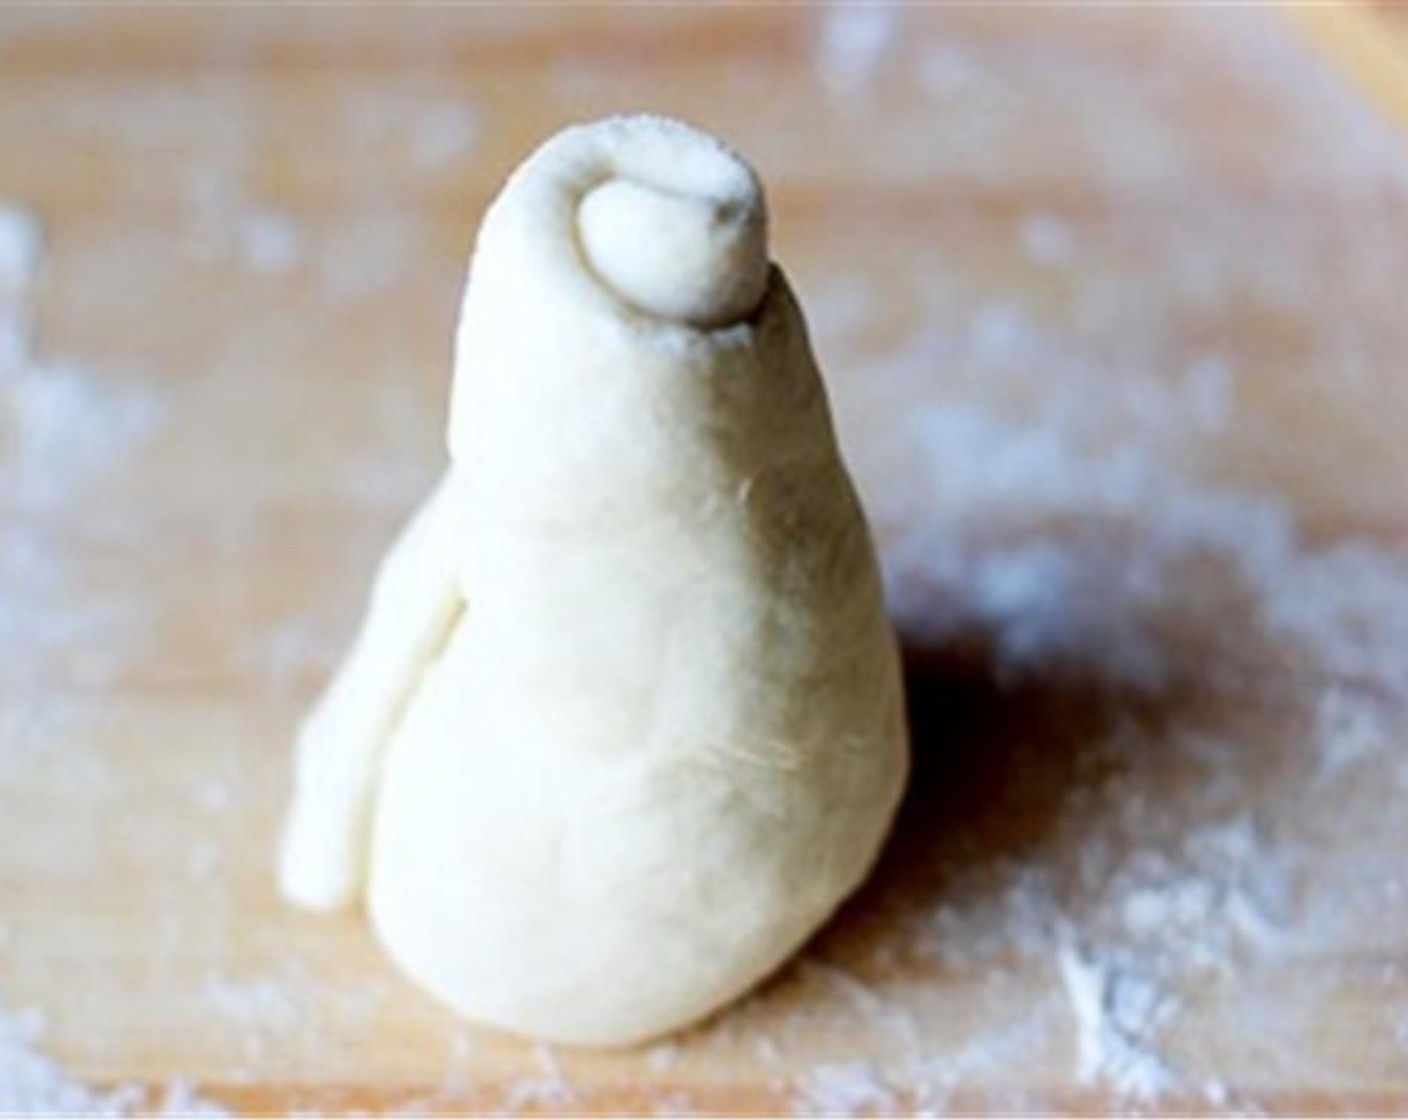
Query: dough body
(625, 723)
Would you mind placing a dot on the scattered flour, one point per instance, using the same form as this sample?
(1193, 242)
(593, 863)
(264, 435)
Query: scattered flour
(290, 655)
(32, 1083)
(214, 798)
(21, 255)
(1350, 728)
(933, 1077)
(548, 1090)
(663, 1056)
(64, 425)
(224, 229)
(844, 1089)
(61, 426)
(673, 1103)
(21, 248)
(263, 1007)
(852, 42)
(445, 133)
(1116, 1011)
(283, 1010)
(1048, 240)
(424, 133)
(373, 256)
(1095, 596)
(180, 1098)
(271, 242)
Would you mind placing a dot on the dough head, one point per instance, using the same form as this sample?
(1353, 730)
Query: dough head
(690, 244)
(617, 246)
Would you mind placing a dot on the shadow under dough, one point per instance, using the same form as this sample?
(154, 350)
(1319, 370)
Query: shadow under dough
(991, 768)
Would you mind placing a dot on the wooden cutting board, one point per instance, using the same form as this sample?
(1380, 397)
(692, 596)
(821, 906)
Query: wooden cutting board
(1111, 304)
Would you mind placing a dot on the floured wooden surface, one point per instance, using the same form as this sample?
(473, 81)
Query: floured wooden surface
(1110, 306)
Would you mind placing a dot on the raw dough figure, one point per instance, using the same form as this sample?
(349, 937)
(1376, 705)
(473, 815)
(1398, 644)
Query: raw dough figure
(624, 723)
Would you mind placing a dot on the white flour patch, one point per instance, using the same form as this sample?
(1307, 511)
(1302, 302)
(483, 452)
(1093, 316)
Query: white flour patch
(548, 1090)
(65, 425)
(290, 655)
(423, 131)
(663, 1056)
(844, 1089)
(673, 1103)
(852, 41)
(1048, 240)
(21, 255)
(264, 1007)
(32, 1083)
(214, 797)
(222, 228)
(21, 248)
(1116, 1012)
(1351, 728)
(935, 1077)
(181, 1098)
(373, 256)
(270, 242)
(291, 1009)
(443, 133)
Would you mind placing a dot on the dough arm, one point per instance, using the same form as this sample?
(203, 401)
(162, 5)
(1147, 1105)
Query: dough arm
(415, 604)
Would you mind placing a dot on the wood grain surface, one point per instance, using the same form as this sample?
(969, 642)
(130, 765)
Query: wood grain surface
(1111, 306)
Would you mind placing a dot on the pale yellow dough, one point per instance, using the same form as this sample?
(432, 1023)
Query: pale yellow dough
(624, 723)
